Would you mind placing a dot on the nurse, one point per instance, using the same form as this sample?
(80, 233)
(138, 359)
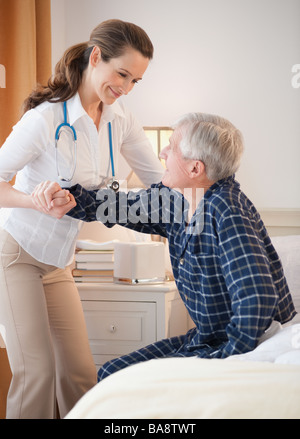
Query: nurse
(46, 337)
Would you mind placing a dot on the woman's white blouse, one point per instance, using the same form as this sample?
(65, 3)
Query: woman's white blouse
(29, 152)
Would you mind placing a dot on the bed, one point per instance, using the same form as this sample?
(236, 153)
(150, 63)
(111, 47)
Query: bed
(264, 383)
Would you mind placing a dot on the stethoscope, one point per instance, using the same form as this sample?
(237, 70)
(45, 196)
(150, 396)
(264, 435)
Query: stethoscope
(113, 183)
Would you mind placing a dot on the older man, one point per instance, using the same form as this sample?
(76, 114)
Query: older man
(226, 269)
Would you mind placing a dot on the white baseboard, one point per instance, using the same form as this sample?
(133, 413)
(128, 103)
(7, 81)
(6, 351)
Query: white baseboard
(281, 222)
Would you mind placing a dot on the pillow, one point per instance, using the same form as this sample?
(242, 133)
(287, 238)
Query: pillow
(288, 249)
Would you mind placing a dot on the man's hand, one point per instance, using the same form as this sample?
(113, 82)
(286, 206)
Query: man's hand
(48, 197)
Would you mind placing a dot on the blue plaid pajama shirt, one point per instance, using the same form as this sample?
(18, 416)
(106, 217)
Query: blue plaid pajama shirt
(227, 271)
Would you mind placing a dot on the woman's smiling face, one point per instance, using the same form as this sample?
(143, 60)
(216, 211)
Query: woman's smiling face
(112, 79)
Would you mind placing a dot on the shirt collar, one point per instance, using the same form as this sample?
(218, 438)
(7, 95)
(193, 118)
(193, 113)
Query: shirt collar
(224, 182)
(76, 110)
(110, 111)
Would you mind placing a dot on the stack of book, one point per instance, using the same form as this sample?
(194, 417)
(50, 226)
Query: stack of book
(94, 261)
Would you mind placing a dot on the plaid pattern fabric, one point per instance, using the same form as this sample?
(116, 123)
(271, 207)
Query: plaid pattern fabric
(169, 347)
(227, 271)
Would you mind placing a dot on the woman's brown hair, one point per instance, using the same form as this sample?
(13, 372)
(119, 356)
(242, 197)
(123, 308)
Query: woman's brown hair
(112, 37)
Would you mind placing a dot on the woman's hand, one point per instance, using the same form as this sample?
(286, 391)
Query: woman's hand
(48, 197)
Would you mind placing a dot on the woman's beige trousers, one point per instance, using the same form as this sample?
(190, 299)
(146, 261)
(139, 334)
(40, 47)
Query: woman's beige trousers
(46, 338)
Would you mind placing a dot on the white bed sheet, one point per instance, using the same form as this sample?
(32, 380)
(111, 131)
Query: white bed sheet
(264, 383)
(280, 344)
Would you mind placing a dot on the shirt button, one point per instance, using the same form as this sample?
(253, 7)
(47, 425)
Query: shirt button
(181, 260)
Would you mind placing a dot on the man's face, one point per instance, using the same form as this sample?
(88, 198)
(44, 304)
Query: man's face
(176, 174)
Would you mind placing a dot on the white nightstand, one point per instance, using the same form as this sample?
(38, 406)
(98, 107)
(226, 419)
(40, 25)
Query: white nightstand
(123, 318)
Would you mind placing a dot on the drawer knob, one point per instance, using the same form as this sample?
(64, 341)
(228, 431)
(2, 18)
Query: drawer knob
(112, 328)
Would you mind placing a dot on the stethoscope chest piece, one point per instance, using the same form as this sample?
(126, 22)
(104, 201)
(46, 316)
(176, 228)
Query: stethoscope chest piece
(114, 185)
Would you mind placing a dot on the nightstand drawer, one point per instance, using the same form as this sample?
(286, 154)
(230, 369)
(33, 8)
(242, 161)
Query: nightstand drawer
(117, 328)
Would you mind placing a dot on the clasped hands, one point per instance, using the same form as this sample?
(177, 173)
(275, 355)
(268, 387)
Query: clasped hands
(48, 197)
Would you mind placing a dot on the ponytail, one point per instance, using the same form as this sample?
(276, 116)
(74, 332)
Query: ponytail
(113, 37)
(66, 80)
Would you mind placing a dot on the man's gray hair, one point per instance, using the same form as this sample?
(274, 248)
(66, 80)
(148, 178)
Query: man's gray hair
(212, 140)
